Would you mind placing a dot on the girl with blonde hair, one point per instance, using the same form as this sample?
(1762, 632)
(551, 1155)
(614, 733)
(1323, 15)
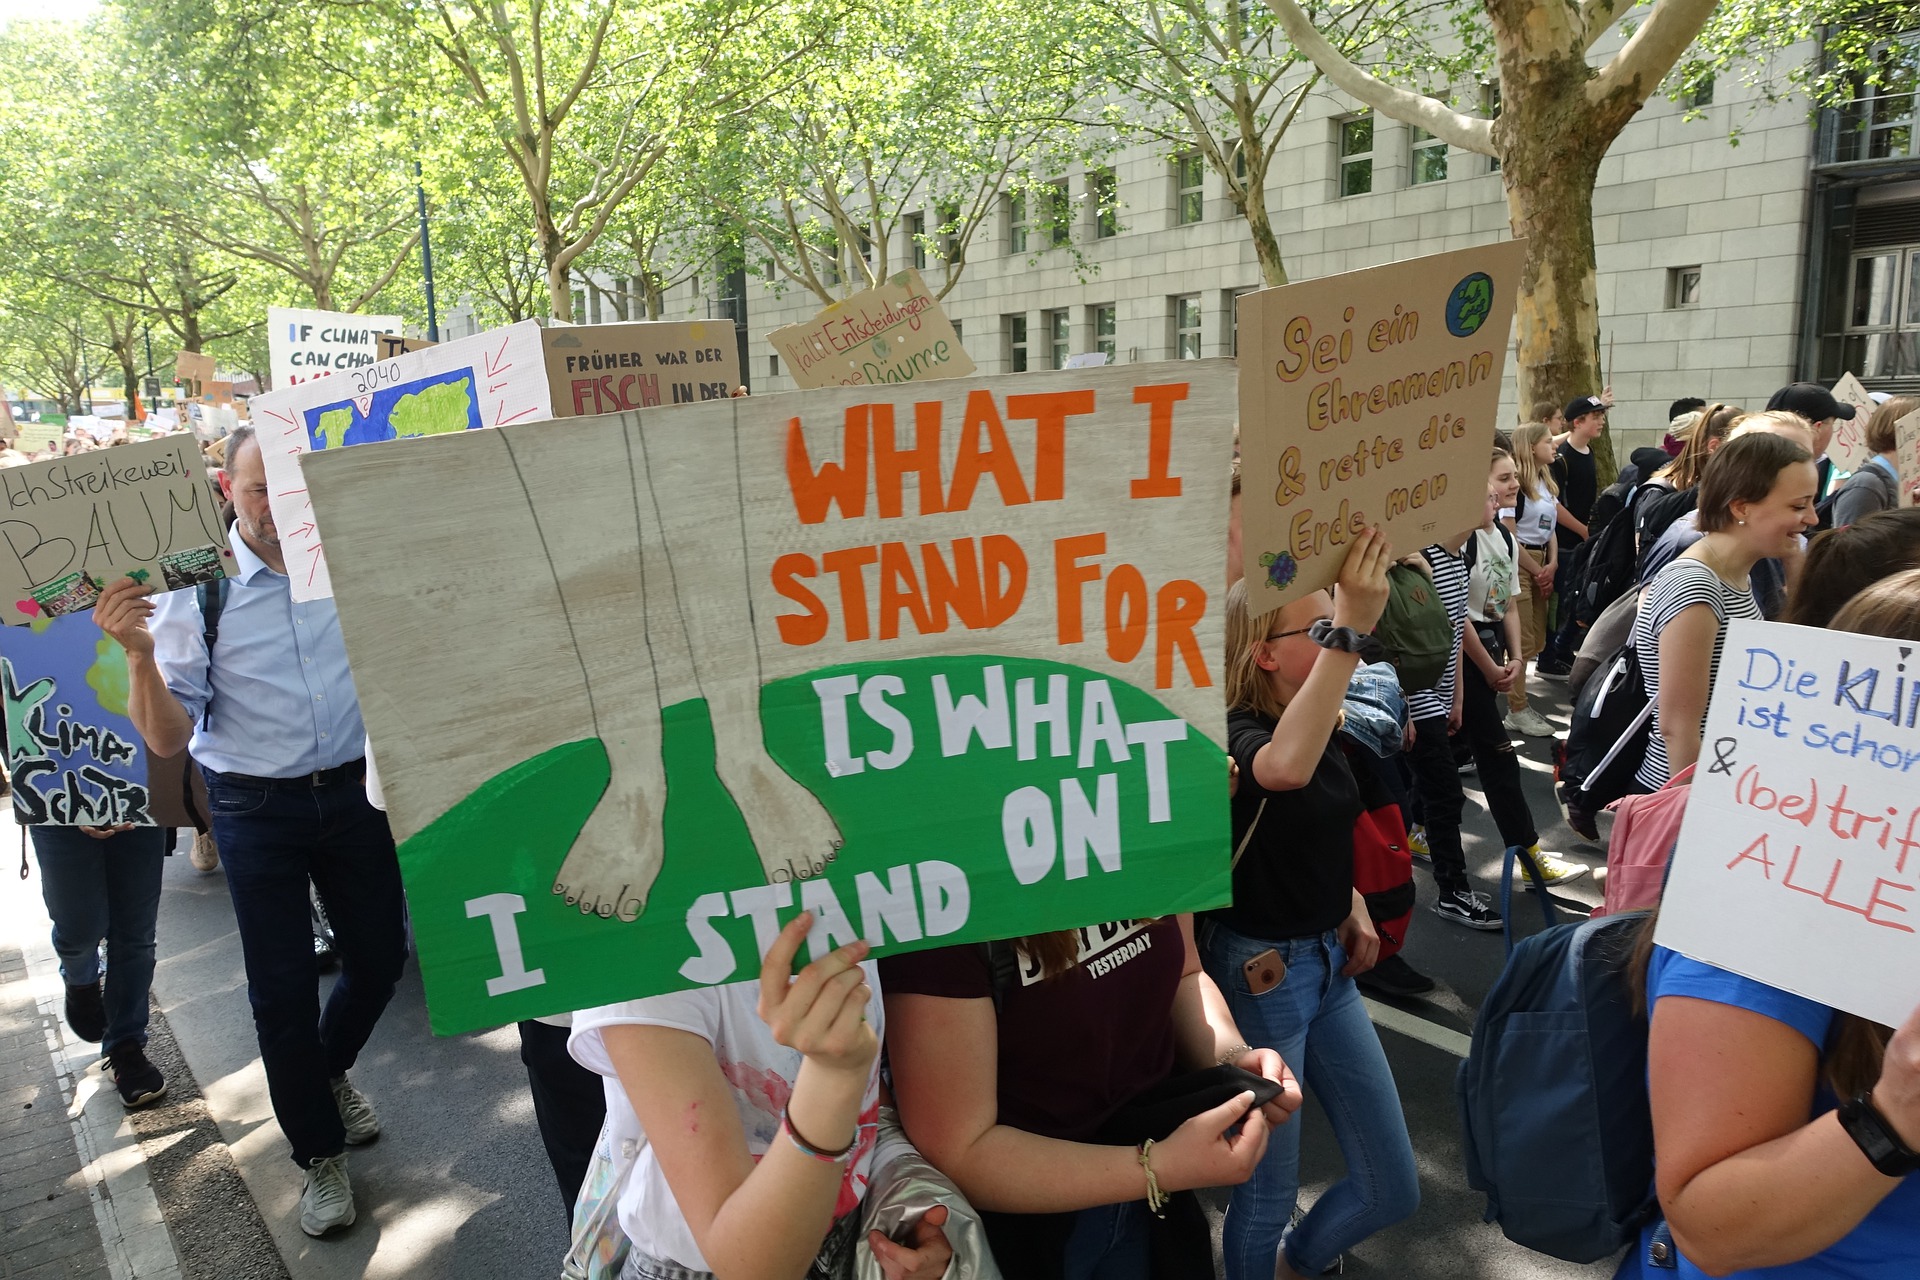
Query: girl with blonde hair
(1532, 519)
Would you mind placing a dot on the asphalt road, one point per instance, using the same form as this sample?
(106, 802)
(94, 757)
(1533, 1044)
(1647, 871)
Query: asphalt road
(459, 1186)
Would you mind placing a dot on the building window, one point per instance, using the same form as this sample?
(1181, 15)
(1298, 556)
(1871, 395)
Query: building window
(1017, 343)
(1231, 299)
(1878, 123)
(1356, 156)
(1683, 287)
(1883, 313)
(917, 239)
(579, 312)
(956, 328)
(1186, 327)
(1189, 178)
(1490, 108)
(1429, 157)
(773, 366)
(1104, 190)
(1056, 212)
(1106, 329)
(772, 272)
(949, 232)
(1017, 222)
(1058, 328)
(1698, 94)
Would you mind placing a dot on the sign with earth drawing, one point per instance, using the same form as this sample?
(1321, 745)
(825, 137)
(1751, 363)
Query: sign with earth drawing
(487, 380)
(1368, 398)
(937, 662)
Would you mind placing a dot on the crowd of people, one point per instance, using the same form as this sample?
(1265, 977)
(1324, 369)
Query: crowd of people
(1074, 1116)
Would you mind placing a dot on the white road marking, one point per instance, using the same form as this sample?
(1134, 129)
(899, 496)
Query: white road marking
(1412, 1024)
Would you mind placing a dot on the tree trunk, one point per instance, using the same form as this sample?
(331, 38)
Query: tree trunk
(1266, 245)
(1550, 159)
(130, 379)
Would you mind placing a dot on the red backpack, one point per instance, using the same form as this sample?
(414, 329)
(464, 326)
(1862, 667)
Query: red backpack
(1382, 859)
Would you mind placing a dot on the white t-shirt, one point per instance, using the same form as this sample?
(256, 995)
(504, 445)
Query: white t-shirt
(761, 1073)
(1534, 527)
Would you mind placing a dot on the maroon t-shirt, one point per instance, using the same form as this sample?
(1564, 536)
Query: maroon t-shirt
(1075, 1048)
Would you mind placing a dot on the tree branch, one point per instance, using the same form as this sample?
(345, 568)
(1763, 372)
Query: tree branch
(1646, 58)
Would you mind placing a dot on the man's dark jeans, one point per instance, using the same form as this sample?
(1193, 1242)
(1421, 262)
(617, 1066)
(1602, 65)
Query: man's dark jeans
(273, 839)
(1442, 799)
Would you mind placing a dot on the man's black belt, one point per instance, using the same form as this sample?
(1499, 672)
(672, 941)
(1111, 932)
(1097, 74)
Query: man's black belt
(353, 771)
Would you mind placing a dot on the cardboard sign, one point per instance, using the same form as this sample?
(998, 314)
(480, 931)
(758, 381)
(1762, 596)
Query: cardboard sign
(389, 345)
(893, 332)
(1369, 399)
(220, 392)
(193, 371)
(1805, 820)
(73, 755)
(1907, 455)
(304, 345)
(612, 368)
(940, 663)
(487, 380)
(1086, 360)
(1848, 449)
(69, 526)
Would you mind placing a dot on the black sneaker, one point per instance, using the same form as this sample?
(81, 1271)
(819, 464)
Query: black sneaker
(137, 1079)
(1464, 906)
(1395, 977)
(1552, 668)
(86, 1011)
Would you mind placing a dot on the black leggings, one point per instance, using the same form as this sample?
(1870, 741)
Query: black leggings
(1442, 799)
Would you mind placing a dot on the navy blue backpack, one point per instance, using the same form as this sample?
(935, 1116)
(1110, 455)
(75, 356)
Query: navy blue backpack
(1553, 1093)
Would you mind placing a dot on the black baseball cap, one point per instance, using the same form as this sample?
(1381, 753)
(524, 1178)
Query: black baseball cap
(1583, 406)
(1811, 401)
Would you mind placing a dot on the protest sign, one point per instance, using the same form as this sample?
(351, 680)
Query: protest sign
(1848, 448)
(73, 755)
(220, 392)
(939, 663)
(1368, 399)
(389, 345)
(192, 371)
(608, 368)
(1086, 360)
(1906, 452)
(486, 380)
(8, 428)
(303, 345)
(1804, 822)
(69, 526)
(893, 332)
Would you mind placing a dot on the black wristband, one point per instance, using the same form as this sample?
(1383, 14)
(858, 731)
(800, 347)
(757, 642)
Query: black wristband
(1877, 1139)
(1346, 640)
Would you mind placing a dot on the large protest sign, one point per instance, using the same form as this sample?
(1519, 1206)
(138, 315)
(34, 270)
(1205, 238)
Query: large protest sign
(486, 380)
(73, 755)
(940, 663)
(1804, 822)
(69, 526)
(1848, 448)
(893, 332)
(303, 345)
(1368, 399)
(606, 368)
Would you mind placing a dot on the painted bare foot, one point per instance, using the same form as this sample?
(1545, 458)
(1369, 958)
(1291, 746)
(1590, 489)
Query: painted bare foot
(791, 830)
(614, 861)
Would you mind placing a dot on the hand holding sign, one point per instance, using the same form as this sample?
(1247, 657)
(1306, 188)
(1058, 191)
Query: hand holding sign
(822, 1012)
(1360, 597)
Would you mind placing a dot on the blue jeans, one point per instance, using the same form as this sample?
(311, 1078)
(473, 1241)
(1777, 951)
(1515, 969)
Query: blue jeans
(274, 839)
(1108, 1242)
(105, 889)
(1316, 1021)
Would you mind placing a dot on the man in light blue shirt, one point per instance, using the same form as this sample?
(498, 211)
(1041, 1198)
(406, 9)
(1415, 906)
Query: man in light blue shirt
(271, 717)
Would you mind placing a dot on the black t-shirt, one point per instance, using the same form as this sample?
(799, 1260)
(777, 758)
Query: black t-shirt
(1578, 478)
(1076, 1047)
(1296, 877)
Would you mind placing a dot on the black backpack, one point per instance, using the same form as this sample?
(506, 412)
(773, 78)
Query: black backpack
(1612, 725)
(1604, 567)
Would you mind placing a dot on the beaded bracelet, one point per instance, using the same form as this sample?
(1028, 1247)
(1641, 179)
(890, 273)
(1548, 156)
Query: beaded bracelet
(808, 1149)
(1234, 1054)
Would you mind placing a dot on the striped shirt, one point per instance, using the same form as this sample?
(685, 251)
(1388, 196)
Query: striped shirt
(1681, 585)
(1450, 578)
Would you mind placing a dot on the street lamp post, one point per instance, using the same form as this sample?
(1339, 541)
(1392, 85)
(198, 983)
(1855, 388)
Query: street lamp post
(426, 254)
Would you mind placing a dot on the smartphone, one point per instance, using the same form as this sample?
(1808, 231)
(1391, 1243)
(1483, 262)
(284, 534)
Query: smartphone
(1264, 972)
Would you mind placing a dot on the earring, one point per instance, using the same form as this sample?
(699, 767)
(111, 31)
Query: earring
(1740, 522)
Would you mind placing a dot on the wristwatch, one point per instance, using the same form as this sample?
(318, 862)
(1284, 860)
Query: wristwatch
(1346, 640)
(1877, 1139)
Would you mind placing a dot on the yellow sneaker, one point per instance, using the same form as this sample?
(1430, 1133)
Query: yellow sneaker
(1554, 870)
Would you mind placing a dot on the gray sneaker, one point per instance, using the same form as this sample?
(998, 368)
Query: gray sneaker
(356, 1113)
(327, 1203)
(1530, 722)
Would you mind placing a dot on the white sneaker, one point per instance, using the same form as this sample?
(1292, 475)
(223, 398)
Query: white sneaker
(1553, 869)
(205, 857)
(327, 1202)
(1530, 722)
(356, 1113)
